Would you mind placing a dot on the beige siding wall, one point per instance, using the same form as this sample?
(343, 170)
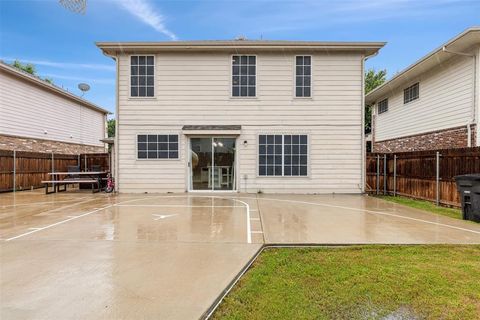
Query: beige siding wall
(194, 89)
(446, 97)
(27, 110)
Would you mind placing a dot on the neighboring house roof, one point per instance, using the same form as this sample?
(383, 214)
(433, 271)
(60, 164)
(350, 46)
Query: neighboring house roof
(48, 86)
(461, 42)
(112, 48)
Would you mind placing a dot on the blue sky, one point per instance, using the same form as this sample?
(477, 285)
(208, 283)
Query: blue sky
(61, 43)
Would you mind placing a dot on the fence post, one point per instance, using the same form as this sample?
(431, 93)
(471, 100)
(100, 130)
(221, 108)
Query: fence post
(85, 169)
(394, 175)
(78, 162)
(14, 170)
(378, 173)
(384, 174)
(437, 179)
(53, 163)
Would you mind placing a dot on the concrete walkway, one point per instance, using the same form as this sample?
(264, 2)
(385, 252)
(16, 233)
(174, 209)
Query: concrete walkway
(84, 256)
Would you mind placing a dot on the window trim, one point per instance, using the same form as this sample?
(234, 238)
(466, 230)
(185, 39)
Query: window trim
(130, 76)
(231, 75)
(408, 87)
(257, 165)
(294, 94)
(158, 134)
(378, 106)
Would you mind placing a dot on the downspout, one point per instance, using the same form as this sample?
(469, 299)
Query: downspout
(115, 144)
(474, 99)
(364, 145)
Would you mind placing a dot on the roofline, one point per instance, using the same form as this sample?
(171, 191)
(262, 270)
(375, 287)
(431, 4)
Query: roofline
(48, 86)
(426, 57)
(209, 45)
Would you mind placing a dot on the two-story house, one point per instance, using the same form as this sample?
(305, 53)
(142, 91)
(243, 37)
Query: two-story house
(38, 116)
(432, 104)
(246, 116)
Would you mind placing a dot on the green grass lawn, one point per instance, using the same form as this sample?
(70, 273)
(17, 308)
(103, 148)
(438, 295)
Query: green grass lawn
(424, 205)
(360, 282)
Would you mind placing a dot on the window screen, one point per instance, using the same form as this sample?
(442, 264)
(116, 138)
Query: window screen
(142, 76)
(283, 155)
(411, 93)
(153, 146)
(383, 106)
(244, 76)
(303, 76)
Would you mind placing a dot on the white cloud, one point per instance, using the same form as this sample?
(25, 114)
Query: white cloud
(62, 65)
(143, 10)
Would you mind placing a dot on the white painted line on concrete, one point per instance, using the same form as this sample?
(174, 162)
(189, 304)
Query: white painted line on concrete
(37, 203)
(368, 211)
(172, 206)
(56, 224)
(256, 231)
(249, 236)
(162, 216)
(34, 228)
(254, 218)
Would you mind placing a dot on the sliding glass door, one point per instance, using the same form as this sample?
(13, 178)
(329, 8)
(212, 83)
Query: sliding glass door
(212, 163)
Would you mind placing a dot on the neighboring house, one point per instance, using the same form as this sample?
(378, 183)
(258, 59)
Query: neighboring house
(40, 117)
(247, 116)
(434, 103)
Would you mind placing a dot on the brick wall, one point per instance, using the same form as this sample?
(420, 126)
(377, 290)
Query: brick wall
(442, 139)
(40, 145)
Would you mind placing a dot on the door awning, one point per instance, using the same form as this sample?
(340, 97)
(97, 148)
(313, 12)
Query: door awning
(212, 129)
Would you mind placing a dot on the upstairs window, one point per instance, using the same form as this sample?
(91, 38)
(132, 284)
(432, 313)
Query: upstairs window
(244, 76)
(303, 76)
(283, 155)
(142, 76)
(157, 146)
(411, 93)
(383, 106)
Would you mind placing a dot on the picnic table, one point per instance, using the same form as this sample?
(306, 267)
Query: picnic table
(59, 179)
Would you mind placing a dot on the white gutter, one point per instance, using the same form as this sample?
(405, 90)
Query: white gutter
(474, 98)
(364, 145)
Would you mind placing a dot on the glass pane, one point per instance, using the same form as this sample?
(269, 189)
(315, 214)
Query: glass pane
(150, 60)
(200, 163)
(224, 163)
(307, 60)
(134, 60)
(141, 60)
(150, 92)
(299, 60)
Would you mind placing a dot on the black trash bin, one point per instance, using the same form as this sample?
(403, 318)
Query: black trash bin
(469, 187)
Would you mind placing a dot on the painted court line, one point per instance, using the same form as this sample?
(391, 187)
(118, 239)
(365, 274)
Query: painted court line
(56, 224)
(173, 206)
(256, 231)
(247, 207)
(37, 203)
(369, 211)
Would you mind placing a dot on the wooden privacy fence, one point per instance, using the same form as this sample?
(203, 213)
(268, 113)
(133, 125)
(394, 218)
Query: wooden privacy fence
(26, 170)
(427, 175)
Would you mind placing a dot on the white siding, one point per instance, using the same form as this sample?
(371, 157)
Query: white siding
(194, 89)
(27, 110)
(446, 97)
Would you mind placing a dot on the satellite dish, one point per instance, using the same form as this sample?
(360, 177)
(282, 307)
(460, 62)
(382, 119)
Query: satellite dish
(83, 87)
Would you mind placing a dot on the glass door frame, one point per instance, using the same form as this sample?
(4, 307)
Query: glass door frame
(189, 163)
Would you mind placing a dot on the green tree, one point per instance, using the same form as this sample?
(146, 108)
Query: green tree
(27, 67)
(111, 128)
(373, 79)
